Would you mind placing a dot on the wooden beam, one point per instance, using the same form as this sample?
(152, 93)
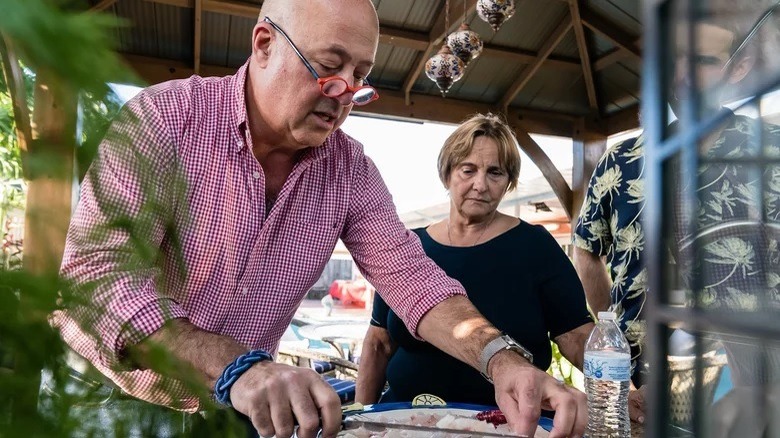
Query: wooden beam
(437, 34)
(156, 70)
(528, 57)
(551, 173)
(419, 41)
(14, 79)
(228, 7)
(610, 31)
(615, 55)
(582, 47)
(621, 121)
(197, 26)
(392, 103)
(552, 41)
(408, 39)
(422, 107)
(102, 5)
(177, 3)
(232, 8)
(403, 38)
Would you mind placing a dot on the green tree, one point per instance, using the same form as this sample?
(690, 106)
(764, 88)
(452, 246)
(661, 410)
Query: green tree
(76, 48)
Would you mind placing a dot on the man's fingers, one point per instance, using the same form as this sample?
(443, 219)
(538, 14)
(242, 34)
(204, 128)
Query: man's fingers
(260, 416)
(282, 417)
(328, 404)
(565, 405)
(522, 409)
(305, 411)
(276, 397)
(581, 421)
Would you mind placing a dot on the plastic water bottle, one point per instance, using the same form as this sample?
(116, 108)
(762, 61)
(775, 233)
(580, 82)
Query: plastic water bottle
(607, 370)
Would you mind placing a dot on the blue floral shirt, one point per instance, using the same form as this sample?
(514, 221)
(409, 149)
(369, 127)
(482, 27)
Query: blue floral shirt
(730, 263)
(610, 225)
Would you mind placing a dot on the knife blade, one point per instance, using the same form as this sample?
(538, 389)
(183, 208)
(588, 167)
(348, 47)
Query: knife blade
(351, 423)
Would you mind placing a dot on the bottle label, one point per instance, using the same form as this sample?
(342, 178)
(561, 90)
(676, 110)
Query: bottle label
(610, 366)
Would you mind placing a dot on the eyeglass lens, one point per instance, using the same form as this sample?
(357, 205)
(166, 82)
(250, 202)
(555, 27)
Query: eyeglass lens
(335, 88)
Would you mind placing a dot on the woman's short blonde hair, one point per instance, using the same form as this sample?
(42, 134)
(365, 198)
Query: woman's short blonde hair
(460, 143)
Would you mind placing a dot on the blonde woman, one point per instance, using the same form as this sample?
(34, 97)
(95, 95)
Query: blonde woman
(514, 272)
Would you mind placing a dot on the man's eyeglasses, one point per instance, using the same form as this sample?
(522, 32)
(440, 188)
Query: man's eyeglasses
(332, 86)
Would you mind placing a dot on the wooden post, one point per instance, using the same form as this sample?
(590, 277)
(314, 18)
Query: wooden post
(51, 158)
(48, 166)
(551, 173)
(52, 174)
(589, 144)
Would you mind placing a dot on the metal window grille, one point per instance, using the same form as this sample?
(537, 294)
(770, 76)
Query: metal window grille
(737, 318)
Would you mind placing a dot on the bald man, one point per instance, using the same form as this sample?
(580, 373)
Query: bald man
(212, 208)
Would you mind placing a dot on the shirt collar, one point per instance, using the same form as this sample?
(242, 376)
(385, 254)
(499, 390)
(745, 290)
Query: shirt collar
(238, 93)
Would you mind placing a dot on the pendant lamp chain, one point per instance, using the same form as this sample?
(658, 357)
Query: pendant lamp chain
(445, 68)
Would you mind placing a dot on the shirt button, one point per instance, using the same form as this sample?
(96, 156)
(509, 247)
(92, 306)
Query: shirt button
(256, 175)
(245, 291)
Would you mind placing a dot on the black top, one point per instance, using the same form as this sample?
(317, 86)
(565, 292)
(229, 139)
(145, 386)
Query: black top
(521, 281)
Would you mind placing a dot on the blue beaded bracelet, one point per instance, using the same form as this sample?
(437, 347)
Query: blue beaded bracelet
(232, 372)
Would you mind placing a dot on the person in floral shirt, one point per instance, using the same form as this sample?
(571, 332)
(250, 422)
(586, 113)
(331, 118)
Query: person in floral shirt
(610, 223)
(736, 223)
(610, 226)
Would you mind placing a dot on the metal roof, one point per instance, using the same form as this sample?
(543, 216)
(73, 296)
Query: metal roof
(164, 32)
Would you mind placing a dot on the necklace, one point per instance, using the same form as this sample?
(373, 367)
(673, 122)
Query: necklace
(490, 222)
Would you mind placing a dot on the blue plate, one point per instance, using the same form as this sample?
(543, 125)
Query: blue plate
(426, 402)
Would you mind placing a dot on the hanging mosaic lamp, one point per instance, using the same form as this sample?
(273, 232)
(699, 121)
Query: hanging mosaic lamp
(444, 68)
(465, 43)
(495, 12)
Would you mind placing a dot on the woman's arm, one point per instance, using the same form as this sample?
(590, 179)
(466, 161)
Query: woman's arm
(572, 344)
(378, 348)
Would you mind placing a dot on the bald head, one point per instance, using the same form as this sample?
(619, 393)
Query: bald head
(334, 39)
(296, 13)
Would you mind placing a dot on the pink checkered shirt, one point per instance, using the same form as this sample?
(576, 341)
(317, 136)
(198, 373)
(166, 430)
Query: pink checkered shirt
(223, 264)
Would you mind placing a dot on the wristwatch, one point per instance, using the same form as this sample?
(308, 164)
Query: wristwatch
(503, 342)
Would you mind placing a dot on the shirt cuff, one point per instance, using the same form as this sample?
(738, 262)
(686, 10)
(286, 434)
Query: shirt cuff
(424, 304)
(144, 323)
(584, 244)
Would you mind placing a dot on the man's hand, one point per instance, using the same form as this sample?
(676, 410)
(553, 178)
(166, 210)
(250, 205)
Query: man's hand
(636, 404)
(276, 396)
(522, 390)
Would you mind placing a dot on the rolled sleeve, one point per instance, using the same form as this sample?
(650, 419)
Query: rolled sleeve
(388, 255)
(115, 236)
(148, 319)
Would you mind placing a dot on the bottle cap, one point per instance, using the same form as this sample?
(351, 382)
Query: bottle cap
(607, 316)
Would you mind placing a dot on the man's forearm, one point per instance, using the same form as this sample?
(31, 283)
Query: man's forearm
(207, 353)
(456, 327)
(595, 279)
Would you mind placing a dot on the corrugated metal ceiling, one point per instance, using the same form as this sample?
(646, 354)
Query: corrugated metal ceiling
(161, 30)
